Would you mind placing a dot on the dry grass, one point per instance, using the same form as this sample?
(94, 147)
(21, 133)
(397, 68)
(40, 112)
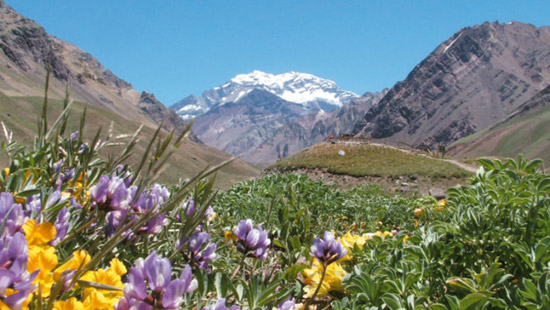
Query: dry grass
(369, 160)
(20, 115)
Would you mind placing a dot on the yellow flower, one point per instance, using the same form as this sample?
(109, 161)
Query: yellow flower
(118, 267)
(100, 298)
(78, 192)
(229, 236)
(6, 172)
(70, 304)
(441, 204)
(29, 174)
(405, 238)
(417, 211)
(19, 200)
(41, 256)
(95, 300)
(383, 234)
(331, 283)
(38, 235)
(349, 240)
(45, 260)
(78, 261)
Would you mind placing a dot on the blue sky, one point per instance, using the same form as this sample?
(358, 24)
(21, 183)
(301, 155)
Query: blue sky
(174, 48)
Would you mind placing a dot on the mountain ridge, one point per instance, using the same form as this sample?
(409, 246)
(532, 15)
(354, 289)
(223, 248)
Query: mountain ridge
(310, 91)
(472, 80)
(27, 52)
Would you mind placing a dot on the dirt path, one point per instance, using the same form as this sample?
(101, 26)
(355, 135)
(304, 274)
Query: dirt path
(452, 161)
(461, 165)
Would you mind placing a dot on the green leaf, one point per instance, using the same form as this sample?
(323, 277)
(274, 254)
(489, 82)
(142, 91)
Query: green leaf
(467, 285)
(100, 286)
(473, 301)
(278, 243)
(392, 301)
(292, 272)
(28, 193)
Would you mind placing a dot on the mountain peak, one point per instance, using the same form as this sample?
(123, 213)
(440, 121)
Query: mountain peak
(298, 87)
(311, 92)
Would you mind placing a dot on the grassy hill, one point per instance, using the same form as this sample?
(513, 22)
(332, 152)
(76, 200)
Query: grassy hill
(527, 133)
(20, 115)
(392, 169)
(369, 160)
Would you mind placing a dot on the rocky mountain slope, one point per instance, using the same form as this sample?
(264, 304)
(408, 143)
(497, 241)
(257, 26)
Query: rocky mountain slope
(261, 127)
(250, 125)
(262, 117)
(525, 131)
(309, 91)
(26, 53)
(474, 79)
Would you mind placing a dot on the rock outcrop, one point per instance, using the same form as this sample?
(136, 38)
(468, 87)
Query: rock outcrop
(471, 81)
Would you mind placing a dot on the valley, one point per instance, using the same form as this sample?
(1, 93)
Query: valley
(273, 191)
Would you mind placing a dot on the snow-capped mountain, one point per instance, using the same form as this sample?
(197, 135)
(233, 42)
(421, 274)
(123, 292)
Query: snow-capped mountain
(311, 92)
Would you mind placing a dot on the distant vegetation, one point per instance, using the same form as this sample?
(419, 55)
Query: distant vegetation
(369, 160)
(528, 134)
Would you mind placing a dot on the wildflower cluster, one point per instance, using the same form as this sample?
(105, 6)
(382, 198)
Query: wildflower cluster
(122, 202)
(78, 231)
(155, 273)
(251, 241)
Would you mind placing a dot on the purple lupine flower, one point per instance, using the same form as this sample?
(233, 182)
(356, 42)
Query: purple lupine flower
(207, 255)
(11, 213)
(158, 271)
(73, 136)
(197, 240)
(173, 296)
(288, 304)
(73, 203)
(155, 272)
(33, 208)
(328, 249)
(57, 166)
(154, 225)
(82, 148)
(110, 193)
(98, 192)
(127, 176)
(189, 207)
(54, 197)
(150, 202)
(118, 192)
(67, 277)
(64, 177)
(201, 252)
(251, 241)
(13, 270)
(61, 225)
(220, 305)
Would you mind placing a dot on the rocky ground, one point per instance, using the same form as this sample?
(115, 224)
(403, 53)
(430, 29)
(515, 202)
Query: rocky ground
(408, 186)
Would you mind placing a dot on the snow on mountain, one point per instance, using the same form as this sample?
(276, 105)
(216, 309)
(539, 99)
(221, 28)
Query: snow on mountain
(311, 92)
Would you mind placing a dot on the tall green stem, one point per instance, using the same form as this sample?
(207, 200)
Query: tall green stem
(306, 306)
(238, 267)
